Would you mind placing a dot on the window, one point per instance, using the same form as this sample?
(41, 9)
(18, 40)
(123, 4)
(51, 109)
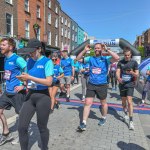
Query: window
(73, 27)
(49, 3)
(49, 38)
(62, 31)
(65, 33)
(38, 12)
(73, 47)
(9, 1)
(76, 29)
(72, 37)
(38, 34)
(66, 22)
(9, 24)
(68, 34)
(49, 18)
(56, 23)
(62, 20)
(26, 5)
(27, 29)
(56, 9)
(56, 40)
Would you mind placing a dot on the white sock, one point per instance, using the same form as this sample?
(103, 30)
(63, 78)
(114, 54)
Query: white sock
(68, 95)
(104, 117)
(84, 121)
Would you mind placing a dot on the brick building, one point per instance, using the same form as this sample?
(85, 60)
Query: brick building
(147, 42)
(64, 30)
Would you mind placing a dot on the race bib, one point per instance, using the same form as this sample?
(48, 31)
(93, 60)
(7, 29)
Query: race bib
(113, 69)
(126, 77)
(96, 70)
(7, 75)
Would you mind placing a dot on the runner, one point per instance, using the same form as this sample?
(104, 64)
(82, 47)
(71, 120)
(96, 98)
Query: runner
(14, 94)
(67, 65)
(38, 79)
(127, 71)
(97, 85)
(58, 73)
(84, 69)
(112, 75)
(146, 86)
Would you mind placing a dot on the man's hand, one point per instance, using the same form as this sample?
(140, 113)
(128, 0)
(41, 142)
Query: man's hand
(87, 48)
(23, 77)
(72, 78)
(19, 88)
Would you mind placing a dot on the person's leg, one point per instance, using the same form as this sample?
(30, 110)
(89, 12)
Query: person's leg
(26, 113)
(77, 77)
(83, 81)
(43, 103)
(104, 107)
(53, 95)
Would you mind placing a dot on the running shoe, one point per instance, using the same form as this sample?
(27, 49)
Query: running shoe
(102, 121)
(5, 138)
(131, 125)
(15, 141)
(68, 99)
(82, 127)
(57, 105)
(126, 118)
(83, 99)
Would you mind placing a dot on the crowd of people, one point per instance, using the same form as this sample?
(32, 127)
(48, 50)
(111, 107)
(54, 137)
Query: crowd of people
(32, 85)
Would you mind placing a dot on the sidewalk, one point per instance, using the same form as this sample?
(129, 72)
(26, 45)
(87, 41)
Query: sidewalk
(114, 135)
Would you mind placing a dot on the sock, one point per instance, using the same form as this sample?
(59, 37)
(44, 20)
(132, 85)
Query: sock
(68, 95)
(131, 118)
(84, 121)
(104, 117)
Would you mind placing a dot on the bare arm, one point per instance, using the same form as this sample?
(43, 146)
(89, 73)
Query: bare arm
(115, 56)
(148, 72)
(118, 73)
(87, 48)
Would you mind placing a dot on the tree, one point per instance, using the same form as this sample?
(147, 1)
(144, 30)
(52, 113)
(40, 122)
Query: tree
(141, 50)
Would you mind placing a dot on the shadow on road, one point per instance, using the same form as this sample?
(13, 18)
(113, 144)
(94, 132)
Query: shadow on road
(78, 95)
(33, 133)
(115, 95)
(122, 145)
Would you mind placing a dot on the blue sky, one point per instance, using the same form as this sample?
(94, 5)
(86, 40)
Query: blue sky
(110, 18)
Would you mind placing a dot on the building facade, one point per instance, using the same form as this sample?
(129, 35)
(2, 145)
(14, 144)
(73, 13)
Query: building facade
(65, 30)
(74, 35)
(80, 35)
(147, 42)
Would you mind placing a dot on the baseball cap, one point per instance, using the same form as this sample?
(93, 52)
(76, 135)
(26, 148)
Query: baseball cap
(32, 45)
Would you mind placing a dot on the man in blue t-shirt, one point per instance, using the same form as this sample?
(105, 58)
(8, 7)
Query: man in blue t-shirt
(14, 94)
(67, 64)
(97, 84)
(146, 86)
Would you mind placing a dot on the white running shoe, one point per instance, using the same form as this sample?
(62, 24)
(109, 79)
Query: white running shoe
(131, 125)
(15, 141)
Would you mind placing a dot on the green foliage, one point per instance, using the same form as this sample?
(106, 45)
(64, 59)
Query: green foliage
(141, 50)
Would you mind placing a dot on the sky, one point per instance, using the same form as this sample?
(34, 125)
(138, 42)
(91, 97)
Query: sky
(109, 19)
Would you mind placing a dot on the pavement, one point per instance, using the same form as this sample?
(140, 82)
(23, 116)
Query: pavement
(63, 123)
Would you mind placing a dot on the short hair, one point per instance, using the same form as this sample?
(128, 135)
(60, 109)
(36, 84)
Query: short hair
(98, 44)
(127, 49)
(10, 41)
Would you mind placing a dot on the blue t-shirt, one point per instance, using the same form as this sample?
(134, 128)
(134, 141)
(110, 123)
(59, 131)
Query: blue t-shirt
(148, 69)
(30, 63)
(14, 66)
(86, 67)
(57, 72)
(76, 66)
(67, 64)
(98, 67)
(42, 68)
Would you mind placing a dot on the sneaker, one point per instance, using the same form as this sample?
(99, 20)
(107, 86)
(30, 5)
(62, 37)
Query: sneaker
(68, 99)
(141, 103)
(83, 99)
(102, 121)
(131, 125)
(57, 105)
(5, 138)
(125, 118)
(51, 111)
(62, 95)
(15, 141)
(82, 127)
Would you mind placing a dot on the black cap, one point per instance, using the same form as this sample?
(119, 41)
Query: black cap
(32, 45)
